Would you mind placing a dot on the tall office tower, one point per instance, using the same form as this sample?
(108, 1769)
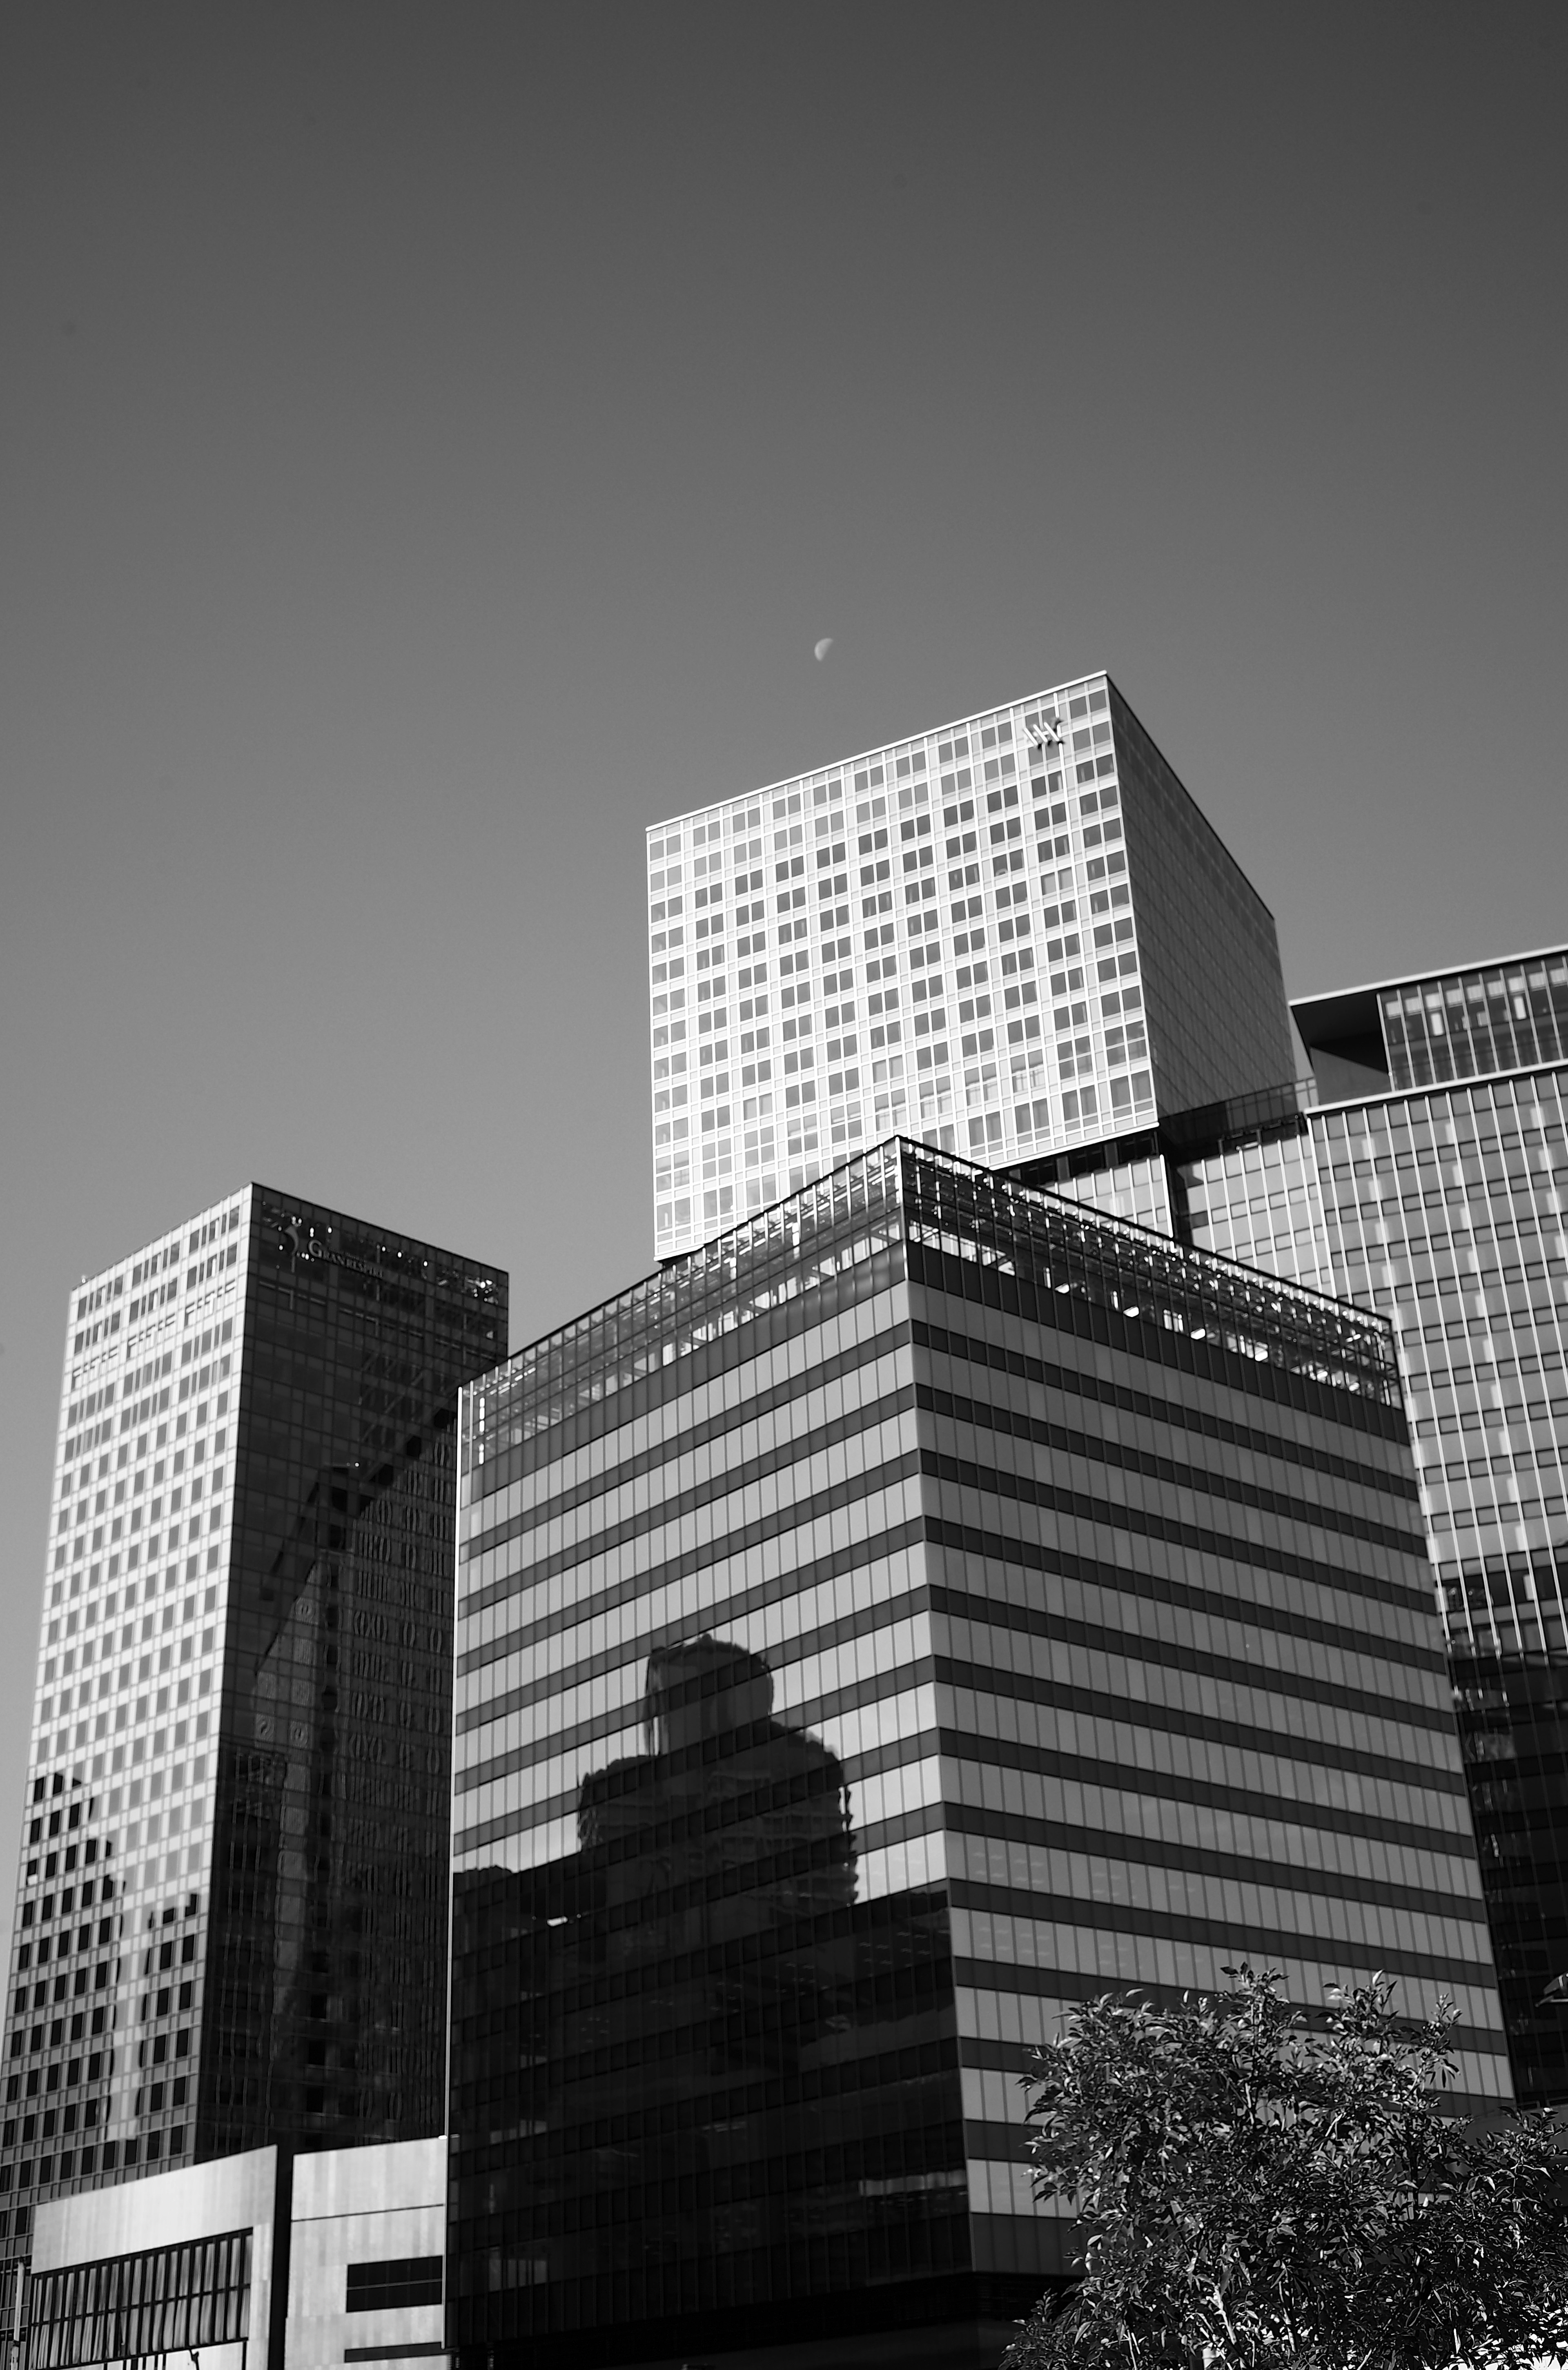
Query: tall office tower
(231, 1921)
(1430, 1182)
(916, 1610)
(1012, 937)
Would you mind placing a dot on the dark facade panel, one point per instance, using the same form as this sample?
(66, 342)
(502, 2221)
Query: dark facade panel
(231, 1928)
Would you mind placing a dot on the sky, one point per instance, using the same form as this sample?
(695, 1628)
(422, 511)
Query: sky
(433, 441)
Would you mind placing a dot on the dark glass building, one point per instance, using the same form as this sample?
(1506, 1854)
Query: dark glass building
(883, 1629)
(231, 1923)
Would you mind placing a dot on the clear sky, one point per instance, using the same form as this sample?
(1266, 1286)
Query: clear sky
(434, 437)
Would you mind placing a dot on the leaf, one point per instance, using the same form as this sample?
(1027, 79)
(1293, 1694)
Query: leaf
(1271, 2189)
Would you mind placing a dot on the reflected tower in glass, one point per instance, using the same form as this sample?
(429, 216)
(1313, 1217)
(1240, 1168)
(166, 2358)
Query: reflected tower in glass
(914, 1611)
(231, 1918)
(1012, 937)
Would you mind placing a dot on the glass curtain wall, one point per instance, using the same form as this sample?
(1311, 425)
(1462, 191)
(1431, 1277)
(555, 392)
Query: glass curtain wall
(875, 1633)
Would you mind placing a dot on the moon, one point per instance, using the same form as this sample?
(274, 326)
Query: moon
(823, 647)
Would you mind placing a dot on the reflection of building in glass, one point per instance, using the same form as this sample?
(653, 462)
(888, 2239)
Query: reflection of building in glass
(698, 1987)
(1082, 1570)
(1428, 1180)
(333, 2003)
(230, 1926)
(1010, 936)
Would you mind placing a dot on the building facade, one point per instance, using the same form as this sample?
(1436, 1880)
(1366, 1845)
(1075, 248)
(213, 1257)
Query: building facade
(876, 1633)
(260, 2260)
(1429, 1179)
(231, 1917)
(1010, 937)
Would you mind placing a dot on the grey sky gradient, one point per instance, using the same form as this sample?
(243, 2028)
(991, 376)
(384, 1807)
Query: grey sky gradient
(434, 439)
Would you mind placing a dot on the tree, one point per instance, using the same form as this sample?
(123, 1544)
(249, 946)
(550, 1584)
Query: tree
(1254, 2193)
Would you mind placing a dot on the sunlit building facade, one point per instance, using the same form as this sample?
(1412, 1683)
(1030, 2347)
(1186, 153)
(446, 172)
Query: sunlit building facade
(877, 1632)
(1429, 1179)
(231, 1914)
(1008, 937)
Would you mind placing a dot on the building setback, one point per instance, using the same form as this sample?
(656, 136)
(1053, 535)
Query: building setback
(1010, 936)
(230, 1926)
(916, 1610)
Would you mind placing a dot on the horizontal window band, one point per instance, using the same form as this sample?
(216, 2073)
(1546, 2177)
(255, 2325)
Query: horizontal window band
(1198, 1793)
(866, 1278)
(1006, 1613)
(1122, 1846)
(699, 1436)
(1109, 1515)
(879, 1615)
(1005, 2144)
(1027, 1552)
(623, 1719)
(974, 1349)
(812, 1711)
(896, 1754)
(509, 2171)
(710, 1492)
(982, 1752)
(1072, 1990)
(906, 1936)
(1133, 1644)
(1269, 1744)
(903, 1828)
(395, 2352)
(394, 2271)
(998, 1612)
(979, 1679)
(1255, 1943)
(984, 1416)
(743, 1540)
(1053, 1908)
(933, 2062)
(1257, 1679)
(1000, 1420)
(831, 2176)
(1203, 1728)
(910, 1928)
(831, 2172)
(980, 1281)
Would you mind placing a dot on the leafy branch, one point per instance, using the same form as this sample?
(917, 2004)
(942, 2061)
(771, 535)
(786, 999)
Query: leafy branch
(1252, 2191)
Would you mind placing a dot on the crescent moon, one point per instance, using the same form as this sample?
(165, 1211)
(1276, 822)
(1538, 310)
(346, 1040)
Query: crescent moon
(823, 647)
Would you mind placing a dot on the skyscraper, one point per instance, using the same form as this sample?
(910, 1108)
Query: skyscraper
(877, 1631)
(1010, 936)
(230, 1926)
(1430, 1181)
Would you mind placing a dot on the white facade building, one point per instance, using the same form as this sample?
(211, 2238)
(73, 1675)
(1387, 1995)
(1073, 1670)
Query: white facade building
(255, 2261)
(1008, 937)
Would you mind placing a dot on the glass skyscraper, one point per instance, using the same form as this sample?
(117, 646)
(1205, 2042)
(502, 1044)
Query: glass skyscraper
(1010, 936)
(880, 1631)
(231, 1918)
(1429, 1179)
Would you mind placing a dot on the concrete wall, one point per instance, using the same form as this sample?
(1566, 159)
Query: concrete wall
(362, 2205)
(375, 2204)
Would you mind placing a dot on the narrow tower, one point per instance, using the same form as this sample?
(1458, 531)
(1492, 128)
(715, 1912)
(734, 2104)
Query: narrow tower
(231, 1921)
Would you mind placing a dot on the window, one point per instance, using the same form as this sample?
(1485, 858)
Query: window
(170, 2300)
(385, 2287)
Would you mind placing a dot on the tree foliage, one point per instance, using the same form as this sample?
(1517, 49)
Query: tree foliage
(1253, 2191)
